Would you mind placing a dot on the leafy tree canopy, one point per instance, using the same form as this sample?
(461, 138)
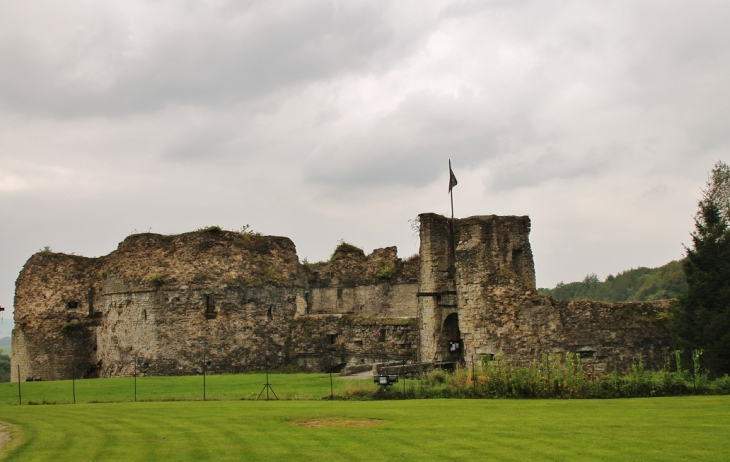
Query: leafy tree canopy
(640, 284)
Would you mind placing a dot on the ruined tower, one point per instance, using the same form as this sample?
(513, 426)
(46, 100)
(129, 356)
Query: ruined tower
(461, 265)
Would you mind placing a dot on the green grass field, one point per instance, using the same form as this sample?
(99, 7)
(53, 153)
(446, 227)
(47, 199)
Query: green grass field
(160, 388)
(5, 350)
(685, 428)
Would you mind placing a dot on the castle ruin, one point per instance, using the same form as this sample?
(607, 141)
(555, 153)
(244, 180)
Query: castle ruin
(238, 302)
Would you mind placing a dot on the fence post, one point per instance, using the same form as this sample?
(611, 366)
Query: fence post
(135, 379)
(73, 379)
(204, 364)
(473, 376)
(332, 395)
(20, 396)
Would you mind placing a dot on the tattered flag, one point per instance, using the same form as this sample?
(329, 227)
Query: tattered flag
(452, 178)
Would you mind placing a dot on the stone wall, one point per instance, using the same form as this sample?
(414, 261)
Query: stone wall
(479, 287)
(379, 284)
(322, 342)
(174, 331)
(169, 304)
(384, 299)
(239, 302)
(55, 316)
(523, 326)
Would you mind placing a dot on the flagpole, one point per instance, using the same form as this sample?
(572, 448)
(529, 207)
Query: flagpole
(451, 195)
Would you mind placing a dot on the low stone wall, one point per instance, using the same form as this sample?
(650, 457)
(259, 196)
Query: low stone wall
(384, 299)
(411, 371)
(322, 342)
(608, 336)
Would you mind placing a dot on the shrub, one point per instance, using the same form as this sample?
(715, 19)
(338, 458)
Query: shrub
(4, 368)
(103, 274)
(345, 250)
(387, 271)
(157, 280)
(211, 229)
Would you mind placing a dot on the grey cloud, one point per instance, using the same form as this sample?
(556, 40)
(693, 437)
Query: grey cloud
(225, 63)
(204, 147)
(408, 147)
(548, 167)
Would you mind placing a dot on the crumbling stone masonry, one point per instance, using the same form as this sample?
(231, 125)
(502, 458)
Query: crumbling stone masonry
(238, 302)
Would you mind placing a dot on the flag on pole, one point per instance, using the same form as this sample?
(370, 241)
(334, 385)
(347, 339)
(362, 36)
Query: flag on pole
(452, 178)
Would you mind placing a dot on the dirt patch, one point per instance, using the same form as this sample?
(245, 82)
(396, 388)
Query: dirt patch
(4, 436)
(339, 423)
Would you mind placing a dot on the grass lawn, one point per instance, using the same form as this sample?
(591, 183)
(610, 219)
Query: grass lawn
(160, 388)
(685, 428)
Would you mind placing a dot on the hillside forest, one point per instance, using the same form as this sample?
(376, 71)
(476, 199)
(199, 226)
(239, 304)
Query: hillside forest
(640, 284)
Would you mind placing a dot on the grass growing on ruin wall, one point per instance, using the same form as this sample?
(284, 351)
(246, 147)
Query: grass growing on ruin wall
(689, 428)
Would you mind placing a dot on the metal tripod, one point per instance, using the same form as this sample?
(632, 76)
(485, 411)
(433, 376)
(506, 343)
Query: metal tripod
(267, 387)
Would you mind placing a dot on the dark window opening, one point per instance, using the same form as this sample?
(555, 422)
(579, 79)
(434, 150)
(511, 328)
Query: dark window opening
(331, 339)
(358, 343)
(209, 307)
(144, 315)
(517, 261)
(381, 337)
(587, 354)
(91, 301)
(72, 305)
(339, 294)
(270, 313)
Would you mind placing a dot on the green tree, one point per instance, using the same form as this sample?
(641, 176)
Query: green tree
(702, 317)
(4, 368)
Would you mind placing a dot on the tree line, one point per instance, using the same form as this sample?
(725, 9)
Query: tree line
(634, 285)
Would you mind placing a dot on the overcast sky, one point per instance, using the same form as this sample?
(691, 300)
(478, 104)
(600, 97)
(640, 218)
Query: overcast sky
(323, 121)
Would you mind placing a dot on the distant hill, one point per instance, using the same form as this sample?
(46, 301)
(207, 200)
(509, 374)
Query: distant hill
(640, 284)
(4, 341)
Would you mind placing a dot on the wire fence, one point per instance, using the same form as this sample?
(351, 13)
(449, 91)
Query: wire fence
(554, 376)
(141, 380)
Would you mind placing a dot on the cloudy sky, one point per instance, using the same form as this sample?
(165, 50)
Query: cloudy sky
(325, 120)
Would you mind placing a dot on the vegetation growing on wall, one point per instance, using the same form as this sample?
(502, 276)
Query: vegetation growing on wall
(211, 229)
(554, 376)
(156, 280)
(387, 271)
(346, 250)
(635, 285)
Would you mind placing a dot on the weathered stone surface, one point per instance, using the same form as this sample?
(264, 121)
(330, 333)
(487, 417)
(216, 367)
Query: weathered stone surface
(172, 303)
(236, 302)
(485, 279)
(320, 342)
